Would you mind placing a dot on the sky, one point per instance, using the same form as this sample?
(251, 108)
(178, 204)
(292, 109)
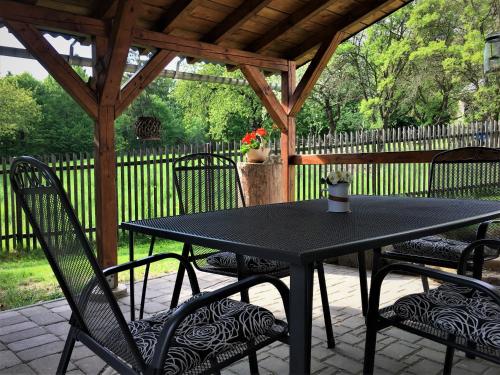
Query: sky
(16, 65)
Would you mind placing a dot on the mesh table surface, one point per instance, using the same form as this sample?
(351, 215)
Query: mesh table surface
(301, 232)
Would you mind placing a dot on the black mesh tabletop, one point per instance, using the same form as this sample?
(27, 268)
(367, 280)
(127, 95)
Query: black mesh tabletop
(301, 232)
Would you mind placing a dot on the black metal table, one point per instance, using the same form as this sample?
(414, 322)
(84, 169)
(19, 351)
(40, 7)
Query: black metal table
(303, 232)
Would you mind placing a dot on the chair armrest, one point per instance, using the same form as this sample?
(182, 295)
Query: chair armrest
(155, 258)
(461, 280)
(182, 312)
(466, 253)
(483, 228)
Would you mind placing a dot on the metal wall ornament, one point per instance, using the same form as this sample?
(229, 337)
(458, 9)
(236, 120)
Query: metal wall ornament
(147, 128)
(492, 53)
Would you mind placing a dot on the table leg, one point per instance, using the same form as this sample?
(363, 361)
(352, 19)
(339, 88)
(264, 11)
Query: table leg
(363, 283)
(131, 258)
(180, 277)
(301, 296)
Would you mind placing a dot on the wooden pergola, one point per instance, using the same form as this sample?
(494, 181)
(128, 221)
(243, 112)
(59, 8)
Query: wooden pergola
(257, 36)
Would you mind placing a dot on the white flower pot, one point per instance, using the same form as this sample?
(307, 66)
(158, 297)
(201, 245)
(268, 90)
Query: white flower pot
(338, 198)
(258, 155)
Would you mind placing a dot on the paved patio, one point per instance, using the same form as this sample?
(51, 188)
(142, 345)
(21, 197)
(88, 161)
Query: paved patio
(32, 338)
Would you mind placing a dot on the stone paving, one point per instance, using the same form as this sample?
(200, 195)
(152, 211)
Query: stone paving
(32, 338)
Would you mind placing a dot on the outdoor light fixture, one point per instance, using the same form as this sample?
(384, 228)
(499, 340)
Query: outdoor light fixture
(492, 53)
(147, 128)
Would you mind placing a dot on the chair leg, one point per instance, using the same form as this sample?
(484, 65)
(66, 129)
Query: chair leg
(363, 283)
(180, 277)
(425, 282)
(252, 361)
(370, 345)
(448, 361)
(330, 339)
(66, 354)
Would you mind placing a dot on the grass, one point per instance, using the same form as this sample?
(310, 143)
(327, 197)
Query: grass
(26, 278)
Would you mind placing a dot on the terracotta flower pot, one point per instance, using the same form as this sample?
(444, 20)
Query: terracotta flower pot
(258, 155)
(338, 198)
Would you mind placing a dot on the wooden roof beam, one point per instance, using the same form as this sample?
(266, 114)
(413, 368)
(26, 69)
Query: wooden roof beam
(105, 9)
(266, 95)
(313, 72)
(63, 73)
(52, 19)
(142, 78)
(206, 51)
(362, 12)
(174, 14)
(233, 21)
(118, 49)
(309, 10)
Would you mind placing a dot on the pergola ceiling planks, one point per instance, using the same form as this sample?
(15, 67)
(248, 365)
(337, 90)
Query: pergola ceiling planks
(255, 35)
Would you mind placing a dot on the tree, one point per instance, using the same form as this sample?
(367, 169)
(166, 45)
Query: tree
(19, 115)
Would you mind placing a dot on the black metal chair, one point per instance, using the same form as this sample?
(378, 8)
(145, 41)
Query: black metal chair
(464, 173)
(202, 335)
(462, 313)
(210, 182)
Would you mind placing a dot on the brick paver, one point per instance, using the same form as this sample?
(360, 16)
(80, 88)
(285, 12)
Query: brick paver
(32, 338)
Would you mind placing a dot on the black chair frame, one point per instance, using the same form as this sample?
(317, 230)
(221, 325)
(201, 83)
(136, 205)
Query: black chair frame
(187, 252)
(377, 322)
(32, 169)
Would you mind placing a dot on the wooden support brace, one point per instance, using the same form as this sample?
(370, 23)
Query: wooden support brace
(58, 68)
(140, 80)
(266, 95)
(313, 72)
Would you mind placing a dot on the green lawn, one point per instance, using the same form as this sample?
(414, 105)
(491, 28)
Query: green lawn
(27, 278)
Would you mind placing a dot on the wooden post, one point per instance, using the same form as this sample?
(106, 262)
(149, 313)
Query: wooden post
(105, 167)
(288, 81)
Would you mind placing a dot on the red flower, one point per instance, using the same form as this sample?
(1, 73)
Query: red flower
(246, 139)
(261, 131)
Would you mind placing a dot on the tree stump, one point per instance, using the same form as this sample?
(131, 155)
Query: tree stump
(261, 182)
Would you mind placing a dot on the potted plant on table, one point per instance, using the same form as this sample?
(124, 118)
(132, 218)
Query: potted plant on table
(338, 190)
(255, 145)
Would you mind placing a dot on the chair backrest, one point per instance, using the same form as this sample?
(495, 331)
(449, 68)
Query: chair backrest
(207, 182)
(71, 257)
(466, 173)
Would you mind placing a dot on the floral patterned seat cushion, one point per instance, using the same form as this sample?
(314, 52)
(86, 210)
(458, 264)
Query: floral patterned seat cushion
(438, 248)
(457, 310)
(212, 330)
(227, 260)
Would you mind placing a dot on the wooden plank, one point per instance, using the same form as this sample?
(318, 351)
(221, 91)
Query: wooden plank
(309, 10)
(313, 72)
(266, 95)
(105, 9)
(206, 51)
(51, 19)
(288, 138)
(118, 49)
(140, 80)
(365, 158)
(50, 59)
(363, 11)
(235, 19)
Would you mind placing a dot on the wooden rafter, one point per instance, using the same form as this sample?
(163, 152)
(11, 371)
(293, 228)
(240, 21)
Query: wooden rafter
(309, 10)
(118, 49)
(105, 9)
(313, 72)
(362, 12)
(50, 59)
(174, 14)
(140, 80)
(207, 51)
(266, 95)
(52, 19)
(233, 21)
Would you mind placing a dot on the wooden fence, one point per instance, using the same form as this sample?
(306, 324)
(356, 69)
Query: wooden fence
(145, 186)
